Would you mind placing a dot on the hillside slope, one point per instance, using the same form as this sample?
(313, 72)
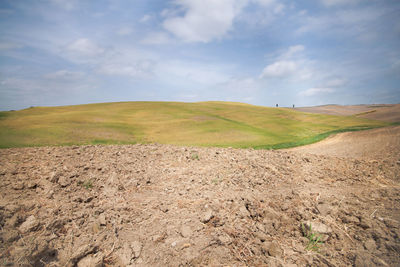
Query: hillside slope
(382, 143)
(199, 124)
(384, 112)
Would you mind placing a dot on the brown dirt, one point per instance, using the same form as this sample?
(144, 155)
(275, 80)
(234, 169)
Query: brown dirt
(384, 112)
(378, 144)
(159, 205)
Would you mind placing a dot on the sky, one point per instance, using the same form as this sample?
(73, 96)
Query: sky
(262, 52)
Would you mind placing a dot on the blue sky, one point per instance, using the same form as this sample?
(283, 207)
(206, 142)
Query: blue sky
(263, 52)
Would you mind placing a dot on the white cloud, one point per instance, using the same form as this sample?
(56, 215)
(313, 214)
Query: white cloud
(293, 50)
(124, 31)
(291, 63)
(208, 20)
(205, 20)
(279, 69)
(316, 91)
(85, 47)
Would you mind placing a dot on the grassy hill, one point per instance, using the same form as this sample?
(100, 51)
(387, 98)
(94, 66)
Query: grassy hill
(199, 124)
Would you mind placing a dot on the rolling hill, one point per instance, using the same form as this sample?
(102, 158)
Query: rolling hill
(223, 124)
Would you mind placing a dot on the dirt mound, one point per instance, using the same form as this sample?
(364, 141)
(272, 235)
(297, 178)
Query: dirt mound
(382, 144)
(156, 205)
(384, 112)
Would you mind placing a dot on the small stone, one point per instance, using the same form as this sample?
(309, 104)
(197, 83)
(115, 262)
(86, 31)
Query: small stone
(370, 245)
(273, 249)
(54, 177)
(285, 206)
(318, 227)
(186, 231)
(323, 209)
(31, 224)
(164, 208)
(261, 236)
(243, 212)
(102, 219)
(157, 238)
(136, 248)
(365, 223)
(224, 239)
(49, 194)
(207, 216)
(350, 219)
(186, 245)
(64, 182)
(31, 185)
(96, 227)
(19, 186)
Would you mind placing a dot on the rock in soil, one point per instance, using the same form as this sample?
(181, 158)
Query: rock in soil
(207, 216)
(317, 227)
(370, 245)
(275, 250)
(31, 224)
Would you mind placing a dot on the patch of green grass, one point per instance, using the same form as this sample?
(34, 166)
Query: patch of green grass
(195, 156)
(221, 124)
(88, 184)
(314, 239)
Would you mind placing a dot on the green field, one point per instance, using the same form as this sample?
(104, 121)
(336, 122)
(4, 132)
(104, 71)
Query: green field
(222, 124)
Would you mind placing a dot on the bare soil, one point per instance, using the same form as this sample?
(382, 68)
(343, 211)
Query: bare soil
(160, 205)
(379, 144)
(383, 112)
